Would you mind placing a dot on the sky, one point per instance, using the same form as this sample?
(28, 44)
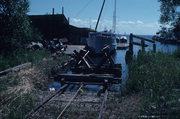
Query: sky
(133, 16)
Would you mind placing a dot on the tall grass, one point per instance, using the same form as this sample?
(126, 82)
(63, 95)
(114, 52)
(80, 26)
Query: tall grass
(20, 57)
(15, 103)
(157, 77)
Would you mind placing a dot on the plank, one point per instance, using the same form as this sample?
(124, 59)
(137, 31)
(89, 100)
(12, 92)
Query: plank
(87, 78)
(115, 71)
(145, 39)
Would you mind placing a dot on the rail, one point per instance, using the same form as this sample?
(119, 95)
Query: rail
(61, 91)
(33, 111)
(70, 101)
(142, 44)
(102, 108)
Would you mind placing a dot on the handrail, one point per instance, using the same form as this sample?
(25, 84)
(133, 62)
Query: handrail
(145, 39)
(142, 44)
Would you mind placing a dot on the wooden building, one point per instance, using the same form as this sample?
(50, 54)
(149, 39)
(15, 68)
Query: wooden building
(57, 26)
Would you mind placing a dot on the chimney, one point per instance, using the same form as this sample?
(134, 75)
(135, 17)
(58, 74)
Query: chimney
(62, 10)
(68, 20)
(53, 11)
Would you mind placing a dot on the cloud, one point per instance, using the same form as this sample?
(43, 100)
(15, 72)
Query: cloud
(131, 22)
(139, 22)
(127, 22)
(137, 27)
(76, 20)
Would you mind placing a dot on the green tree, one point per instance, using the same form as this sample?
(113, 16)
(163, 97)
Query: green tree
(170, 16)
(169, 12)
(15, 28)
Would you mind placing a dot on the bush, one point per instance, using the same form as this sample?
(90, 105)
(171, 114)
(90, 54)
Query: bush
(15, 28)
(156, 76)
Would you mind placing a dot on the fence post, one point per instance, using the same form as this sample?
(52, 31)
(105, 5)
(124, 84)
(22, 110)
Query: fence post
(131, 43)
(154, 47)
(143, 45)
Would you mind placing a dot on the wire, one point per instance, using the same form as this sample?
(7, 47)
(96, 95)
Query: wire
(83, 9)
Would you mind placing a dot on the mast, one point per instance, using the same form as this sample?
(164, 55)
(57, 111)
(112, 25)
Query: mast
(99, 15)
(114, 18)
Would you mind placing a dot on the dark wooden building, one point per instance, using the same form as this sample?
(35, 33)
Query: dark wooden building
(57, 26)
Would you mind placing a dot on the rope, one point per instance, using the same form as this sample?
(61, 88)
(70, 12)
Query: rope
(69, 102)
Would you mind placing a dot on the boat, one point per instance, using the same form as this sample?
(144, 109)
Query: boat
(98, 40)
(122, 39)
(122, 46)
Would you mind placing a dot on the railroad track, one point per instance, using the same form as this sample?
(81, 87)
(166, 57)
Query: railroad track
(79, 103)
(85, 71)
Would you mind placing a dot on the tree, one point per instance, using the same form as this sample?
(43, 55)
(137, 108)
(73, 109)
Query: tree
(169, 11)
(170, 16)
(15, 28)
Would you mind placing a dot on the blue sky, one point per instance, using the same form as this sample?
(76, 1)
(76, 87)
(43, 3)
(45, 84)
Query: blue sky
(136, 16)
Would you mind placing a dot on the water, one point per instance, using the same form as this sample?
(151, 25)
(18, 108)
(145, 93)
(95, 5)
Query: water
(120, 59)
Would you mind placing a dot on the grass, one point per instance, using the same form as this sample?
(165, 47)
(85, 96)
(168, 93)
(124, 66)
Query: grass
(20, 107)
(7, 81)
(154, 77)
(157, 77)
(20, 57)
(17, 90)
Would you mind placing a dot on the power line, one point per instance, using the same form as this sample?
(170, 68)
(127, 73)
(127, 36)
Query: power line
(83, 8)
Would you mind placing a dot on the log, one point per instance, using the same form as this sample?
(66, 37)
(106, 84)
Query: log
(116, 71)
(87, 78)
(16, 68)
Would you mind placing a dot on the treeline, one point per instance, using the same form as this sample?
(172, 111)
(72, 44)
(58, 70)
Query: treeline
(15, 29)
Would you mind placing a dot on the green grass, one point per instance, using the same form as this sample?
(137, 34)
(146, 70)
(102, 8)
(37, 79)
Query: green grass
(41, 59)
(8, 81)
(17, 107)
(20, 57)
(157, 77)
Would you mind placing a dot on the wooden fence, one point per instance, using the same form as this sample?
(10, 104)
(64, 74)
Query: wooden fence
(142, 44)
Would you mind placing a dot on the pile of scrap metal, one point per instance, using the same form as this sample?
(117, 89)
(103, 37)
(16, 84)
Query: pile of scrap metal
(35, 46)
(89, 68)
(56, 47)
